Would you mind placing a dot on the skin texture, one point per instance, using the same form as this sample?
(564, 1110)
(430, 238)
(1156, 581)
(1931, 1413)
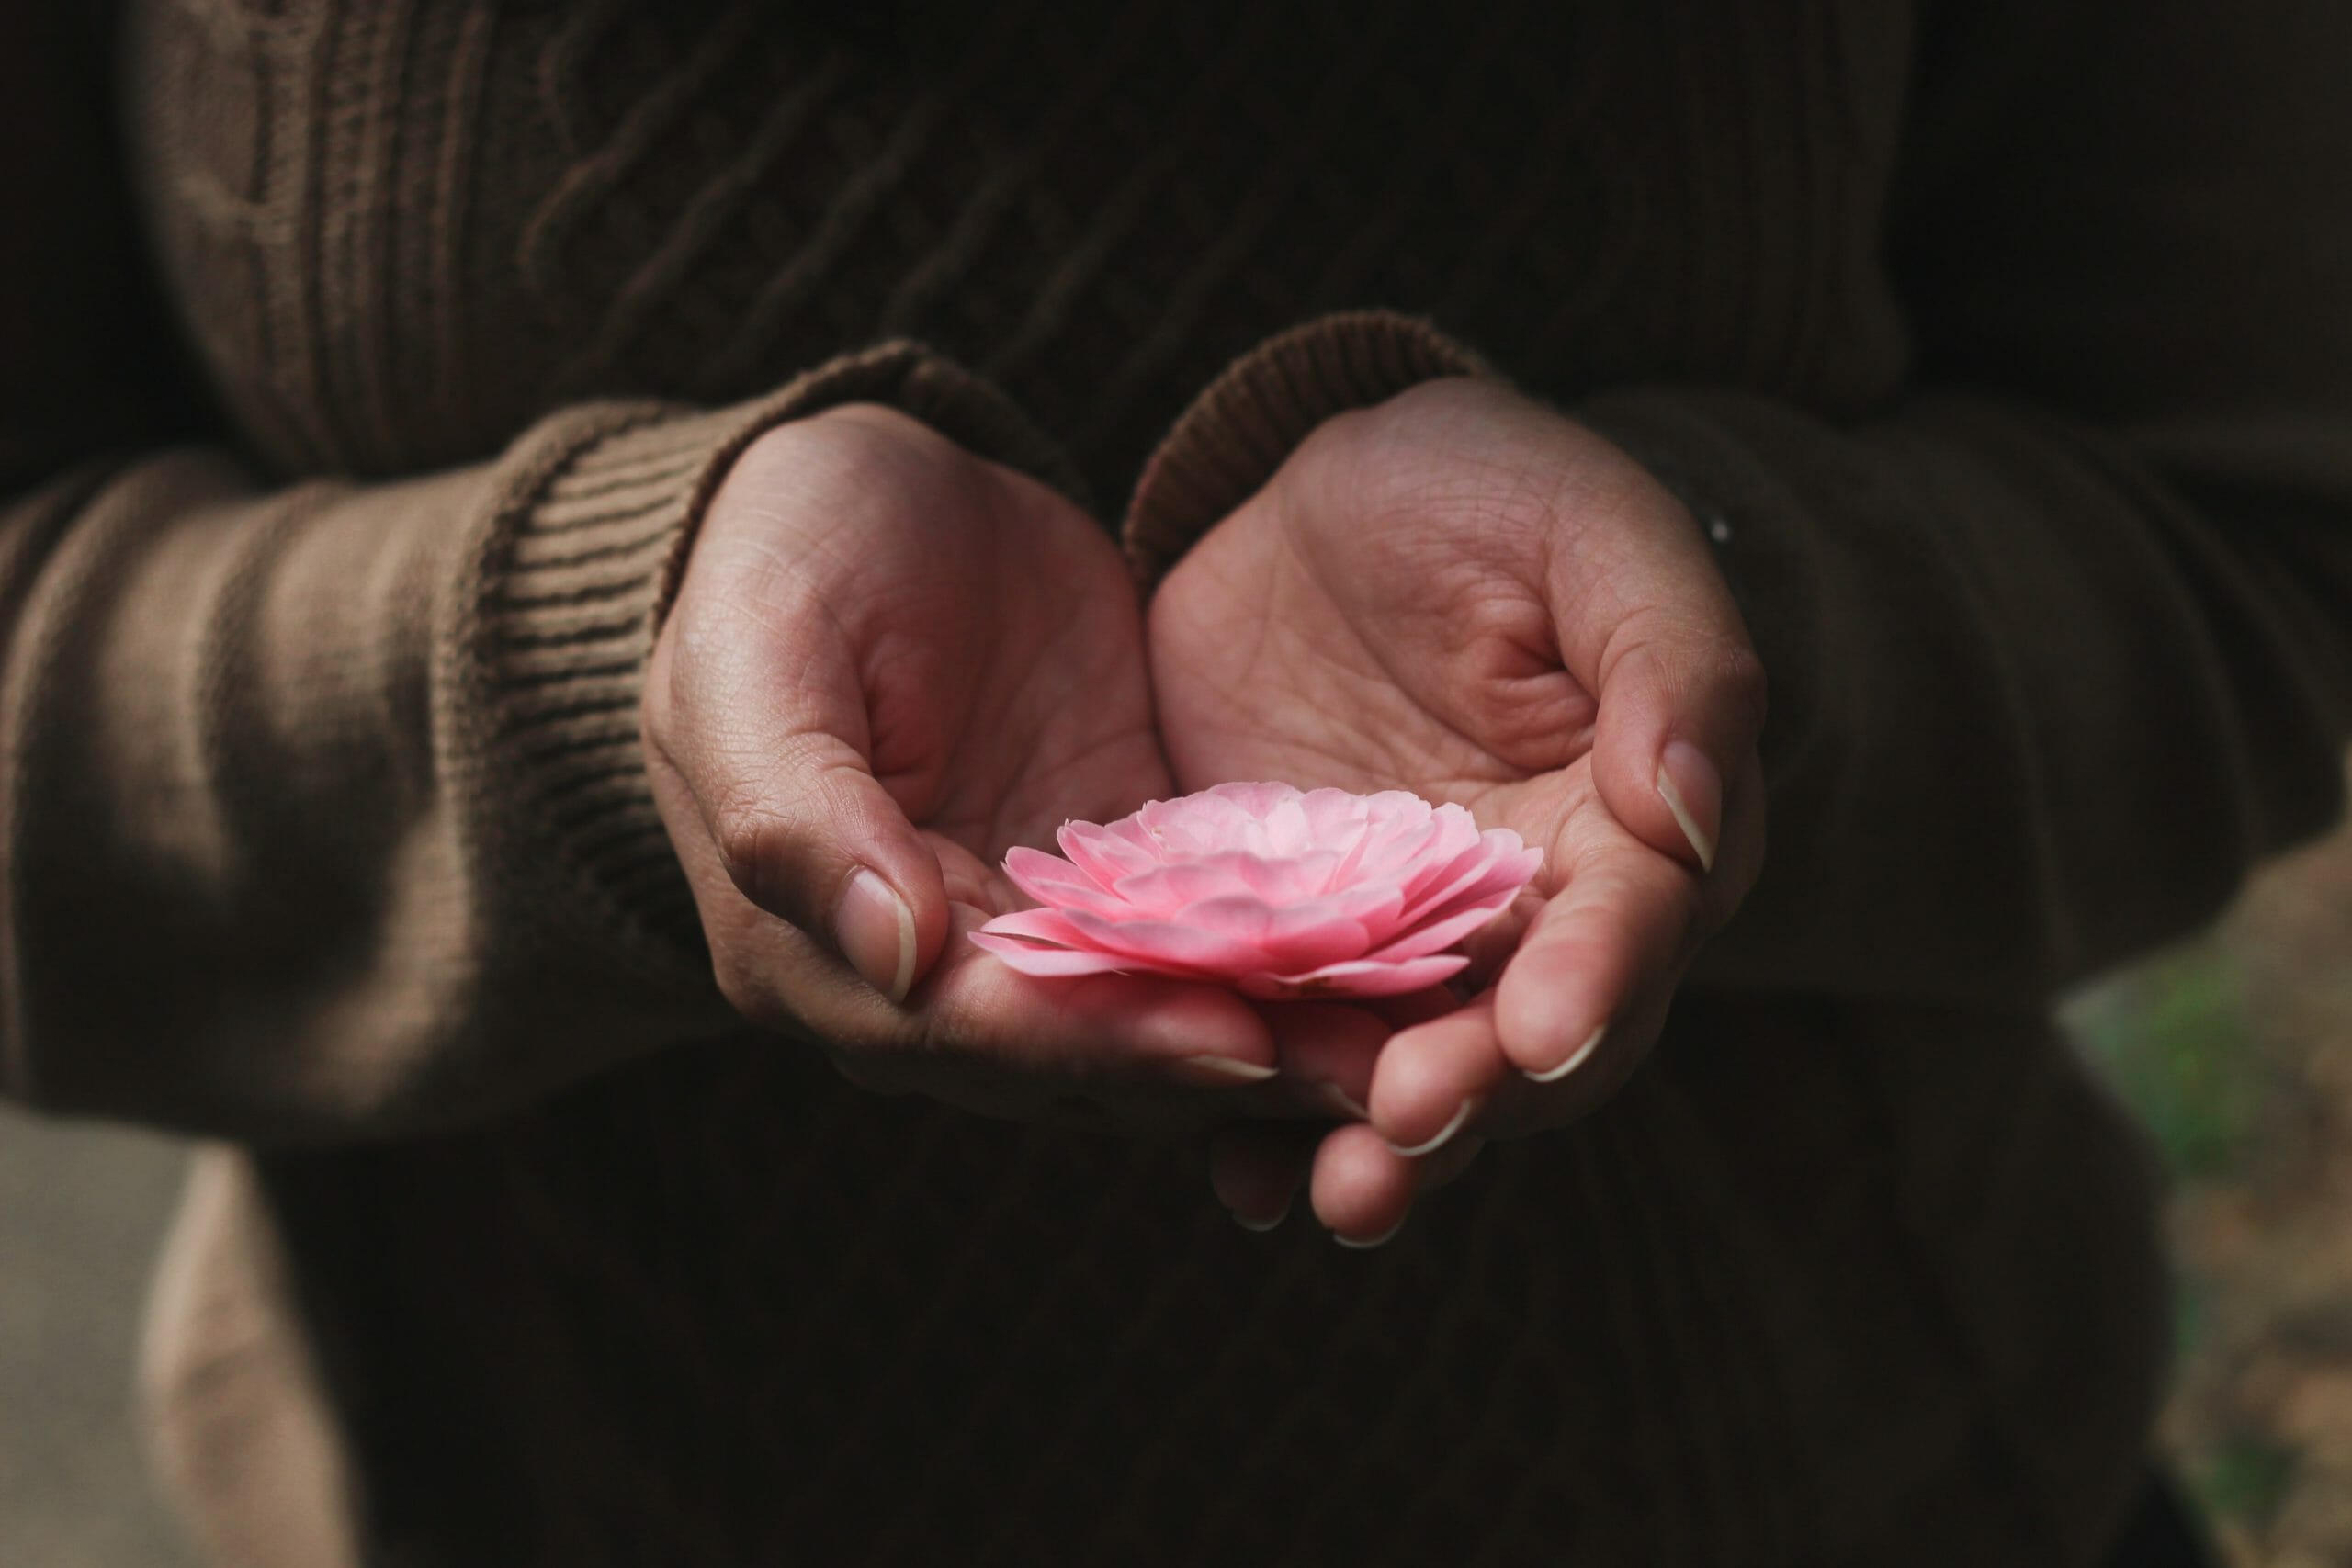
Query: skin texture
(1462, 593)
(888, 663)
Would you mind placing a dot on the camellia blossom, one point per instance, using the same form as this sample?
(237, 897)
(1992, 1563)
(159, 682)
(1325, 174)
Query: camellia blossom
(1273, 891)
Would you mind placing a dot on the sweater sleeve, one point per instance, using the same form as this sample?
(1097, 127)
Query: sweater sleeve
(325, 813)
(322, 813)
(2060, 639)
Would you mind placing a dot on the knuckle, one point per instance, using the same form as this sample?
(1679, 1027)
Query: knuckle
(744, 986)
(1737, 671)
(754, 842)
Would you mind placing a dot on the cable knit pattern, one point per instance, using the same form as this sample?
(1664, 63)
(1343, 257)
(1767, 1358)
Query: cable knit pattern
(326, 826)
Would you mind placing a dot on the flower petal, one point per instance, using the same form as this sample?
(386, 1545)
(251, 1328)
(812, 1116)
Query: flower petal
(1166, 891)
(1275, 890)
(1497, 858)
(1030, 959)
(1398, 856)
(1308, 936)
(1103, 853)
(1257, 800)
(1055, 882)
(1445, 931)
(1359, 977)
(1195, 942)
(1037, 926)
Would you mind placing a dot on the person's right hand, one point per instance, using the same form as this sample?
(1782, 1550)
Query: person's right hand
(888, 663)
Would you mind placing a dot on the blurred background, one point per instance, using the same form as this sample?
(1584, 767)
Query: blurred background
(2236, 1049)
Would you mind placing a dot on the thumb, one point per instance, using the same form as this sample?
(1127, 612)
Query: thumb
(762, 717)
(1681, 713)
(1680, 689)
(813, 838)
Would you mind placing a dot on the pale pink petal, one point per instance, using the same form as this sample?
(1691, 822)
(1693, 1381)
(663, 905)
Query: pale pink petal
(1445, 930)
(1053, 881)
(1308, 876)
(1103, 854)
(1377, 904)
(1495, 860)
(1165, 891)
(1338, 816)
(1494, 888)
(1302, 936)
(1048, 961)
(1311, 935)
(1395, 810)
(1272, 890)
(1197, 943)
(1358, 978)
(1454, 834)
(1287, 833)
(1038, 925)
(1396, 856)
(1257, 800)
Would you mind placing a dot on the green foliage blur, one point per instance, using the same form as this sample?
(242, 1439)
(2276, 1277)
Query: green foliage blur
(2173, 1039)
(2236, 1052)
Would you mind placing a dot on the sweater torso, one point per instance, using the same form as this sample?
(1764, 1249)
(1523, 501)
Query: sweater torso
(398, 233)
(718, 1309)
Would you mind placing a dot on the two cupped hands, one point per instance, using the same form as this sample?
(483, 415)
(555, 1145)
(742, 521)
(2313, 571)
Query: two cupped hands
(891, 661)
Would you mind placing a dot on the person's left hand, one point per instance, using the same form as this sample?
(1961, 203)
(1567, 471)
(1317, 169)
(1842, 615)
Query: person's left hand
(1462, 593)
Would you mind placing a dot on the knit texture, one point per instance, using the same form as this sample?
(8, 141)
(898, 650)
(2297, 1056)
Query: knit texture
(1237, 432)
(333, 567)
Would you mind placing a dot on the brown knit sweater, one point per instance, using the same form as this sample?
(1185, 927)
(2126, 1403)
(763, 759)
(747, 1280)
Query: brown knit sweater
(364, 377)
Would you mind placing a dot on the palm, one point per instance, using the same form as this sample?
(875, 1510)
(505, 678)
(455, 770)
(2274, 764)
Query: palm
(1387, 669)
(1015, 697)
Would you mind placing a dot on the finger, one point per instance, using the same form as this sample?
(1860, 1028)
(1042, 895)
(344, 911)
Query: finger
(1103, 1028)
(1432, 1079)
(1647, 622)
(1256, 1169)
(1679, 715)
(974, 1023)
(764, 717)
(1362, 1190)
(1617, 933)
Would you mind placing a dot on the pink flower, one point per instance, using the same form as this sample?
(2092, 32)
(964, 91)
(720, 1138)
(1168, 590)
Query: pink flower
(1274, 892)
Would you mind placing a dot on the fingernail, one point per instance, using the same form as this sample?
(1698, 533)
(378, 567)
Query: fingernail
(1445, 1135)
(1217, 1072)
(1576, 1058)
(875, 931)
(1261, 1226)
(1337, 1099)
(1693, 791)
(1382, 1239)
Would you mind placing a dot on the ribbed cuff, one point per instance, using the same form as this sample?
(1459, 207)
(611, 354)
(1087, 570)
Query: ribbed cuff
(1253, 417)
(582, 563)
